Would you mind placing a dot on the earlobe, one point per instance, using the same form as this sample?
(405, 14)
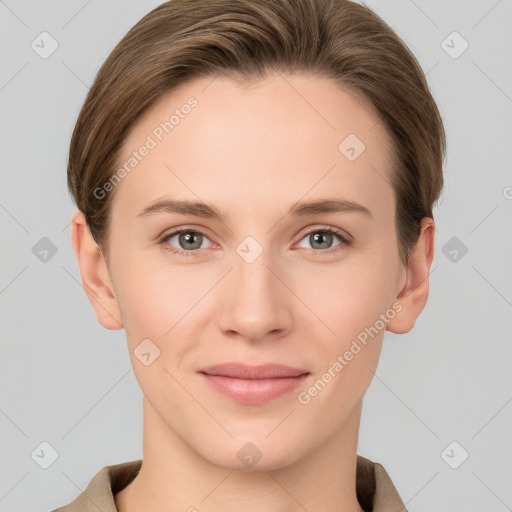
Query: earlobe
(414, 294)
(94, 273)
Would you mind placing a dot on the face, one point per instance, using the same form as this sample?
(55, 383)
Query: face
(293, 261)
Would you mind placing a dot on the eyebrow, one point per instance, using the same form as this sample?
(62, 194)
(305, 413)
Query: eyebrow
(299, 209)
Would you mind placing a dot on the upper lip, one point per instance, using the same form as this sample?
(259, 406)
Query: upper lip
(243, 371)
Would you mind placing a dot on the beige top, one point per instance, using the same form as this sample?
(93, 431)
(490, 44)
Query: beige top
(374, 488)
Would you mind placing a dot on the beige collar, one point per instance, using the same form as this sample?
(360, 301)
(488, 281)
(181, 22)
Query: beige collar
(375, 490)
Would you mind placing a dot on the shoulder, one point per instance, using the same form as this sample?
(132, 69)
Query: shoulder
(375, 489)
(100, 492)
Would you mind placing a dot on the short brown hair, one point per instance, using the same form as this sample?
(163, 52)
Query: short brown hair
(244, 39)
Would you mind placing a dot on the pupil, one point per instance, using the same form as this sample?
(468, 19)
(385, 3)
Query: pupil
(190, 239)
(319, 236)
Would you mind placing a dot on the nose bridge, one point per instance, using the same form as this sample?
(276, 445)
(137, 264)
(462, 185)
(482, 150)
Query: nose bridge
(256, 299)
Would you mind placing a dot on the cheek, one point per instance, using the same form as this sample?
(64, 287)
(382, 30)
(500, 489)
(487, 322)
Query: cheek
(157, 303)
(348, 337)
(154, 296)
(344, 299)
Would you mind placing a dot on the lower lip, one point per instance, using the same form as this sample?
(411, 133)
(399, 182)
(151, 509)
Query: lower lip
(253, 391)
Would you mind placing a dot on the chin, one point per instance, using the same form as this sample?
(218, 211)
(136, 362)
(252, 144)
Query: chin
(253, 453)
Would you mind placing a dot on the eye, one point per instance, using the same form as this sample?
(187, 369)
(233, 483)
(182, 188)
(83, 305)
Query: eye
(321, 240)
(189, 241)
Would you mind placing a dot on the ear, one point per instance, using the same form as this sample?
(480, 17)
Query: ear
(414, 294)
(95, 274)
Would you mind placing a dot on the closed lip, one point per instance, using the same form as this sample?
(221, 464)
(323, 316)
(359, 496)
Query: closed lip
(243, 371)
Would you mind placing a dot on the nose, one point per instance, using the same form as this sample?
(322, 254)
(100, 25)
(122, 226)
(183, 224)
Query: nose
(256, 304)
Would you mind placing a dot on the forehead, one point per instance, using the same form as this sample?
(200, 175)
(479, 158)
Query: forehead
(257, 145)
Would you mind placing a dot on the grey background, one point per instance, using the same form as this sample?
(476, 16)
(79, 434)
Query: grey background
(68, 382)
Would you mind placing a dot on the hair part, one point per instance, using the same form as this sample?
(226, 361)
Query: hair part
(181, 40)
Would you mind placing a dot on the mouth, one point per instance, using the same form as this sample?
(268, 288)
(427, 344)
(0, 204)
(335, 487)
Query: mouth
(253, 385)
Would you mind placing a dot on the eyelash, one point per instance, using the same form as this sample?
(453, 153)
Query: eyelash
(345, 242)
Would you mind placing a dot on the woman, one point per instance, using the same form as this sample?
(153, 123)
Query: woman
(255, 183)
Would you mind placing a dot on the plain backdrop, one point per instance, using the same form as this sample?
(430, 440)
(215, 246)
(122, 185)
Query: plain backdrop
(441, 392)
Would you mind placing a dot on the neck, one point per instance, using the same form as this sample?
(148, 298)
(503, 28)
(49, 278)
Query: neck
(173, 477)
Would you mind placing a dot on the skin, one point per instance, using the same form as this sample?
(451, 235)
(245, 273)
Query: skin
(253, 150)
